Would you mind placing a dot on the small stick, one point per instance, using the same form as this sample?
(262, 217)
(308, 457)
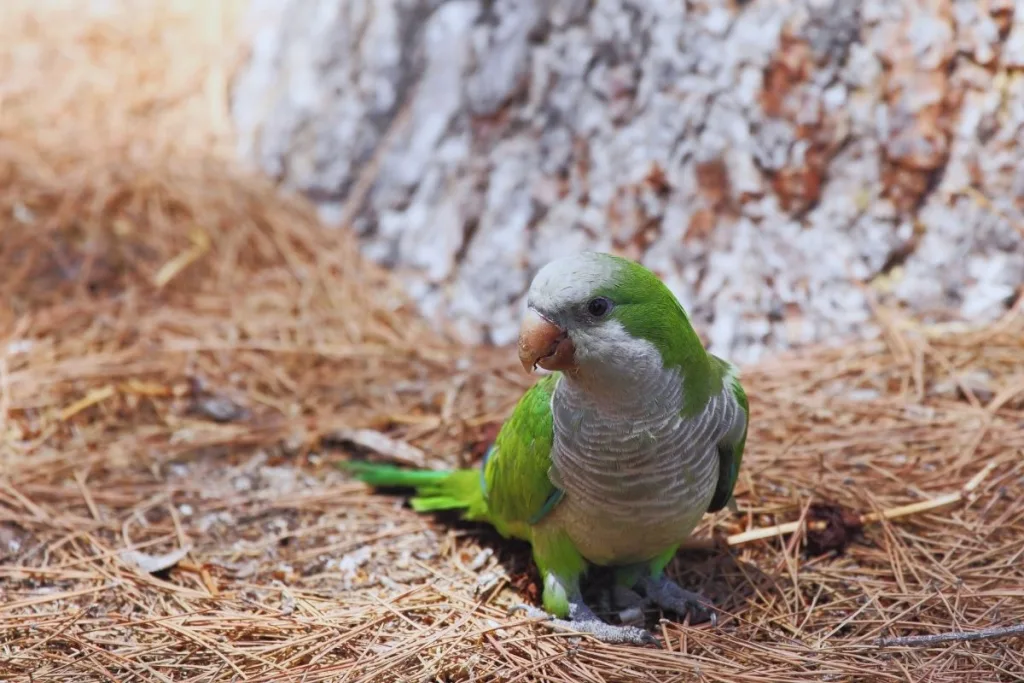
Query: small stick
(391, 449)
(769, 532)
(871, 517)
(87, 496)
(200, 245)
(959, 637)
(90, 399)
(204, 575)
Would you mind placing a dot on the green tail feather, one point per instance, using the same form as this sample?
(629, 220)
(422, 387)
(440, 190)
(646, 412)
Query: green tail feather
(435, 490)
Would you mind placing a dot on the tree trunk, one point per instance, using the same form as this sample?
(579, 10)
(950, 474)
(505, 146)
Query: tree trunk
(778, 163)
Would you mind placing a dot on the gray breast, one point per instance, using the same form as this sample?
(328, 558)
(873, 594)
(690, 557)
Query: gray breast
(636, 474)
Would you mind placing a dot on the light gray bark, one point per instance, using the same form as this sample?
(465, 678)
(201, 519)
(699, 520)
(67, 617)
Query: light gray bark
(766, 158)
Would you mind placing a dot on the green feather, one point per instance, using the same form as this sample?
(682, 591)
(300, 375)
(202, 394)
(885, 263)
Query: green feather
(434, 490)
(648, 310)
(511, 490)
(518, 487)
(730, 450)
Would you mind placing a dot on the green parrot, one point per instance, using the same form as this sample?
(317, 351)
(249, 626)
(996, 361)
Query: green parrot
(612, 458)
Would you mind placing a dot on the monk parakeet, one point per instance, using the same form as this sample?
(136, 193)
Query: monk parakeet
(612, 458)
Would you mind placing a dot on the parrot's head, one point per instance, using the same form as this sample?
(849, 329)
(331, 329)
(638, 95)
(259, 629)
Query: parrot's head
(594, 311)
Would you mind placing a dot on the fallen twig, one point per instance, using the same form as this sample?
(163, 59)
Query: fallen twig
(92, 398)
(871, 517)
(957, 637)
(381, 444)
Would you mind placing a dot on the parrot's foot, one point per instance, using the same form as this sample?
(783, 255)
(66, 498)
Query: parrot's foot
(667, 595)
(630, 606)
(582, 620)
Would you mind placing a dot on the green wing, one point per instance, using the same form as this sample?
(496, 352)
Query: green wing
(730, 449)
(515, 472)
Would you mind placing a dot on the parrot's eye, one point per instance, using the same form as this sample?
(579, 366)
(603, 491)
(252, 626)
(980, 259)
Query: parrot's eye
(599, 306)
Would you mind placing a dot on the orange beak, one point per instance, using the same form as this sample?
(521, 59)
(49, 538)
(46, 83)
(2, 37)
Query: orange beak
(543, 343)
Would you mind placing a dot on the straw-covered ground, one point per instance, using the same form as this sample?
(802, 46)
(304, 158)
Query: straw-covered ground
(185, 354)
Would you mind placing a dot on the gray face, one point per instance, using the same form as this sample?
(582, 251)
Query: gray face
(564, 290)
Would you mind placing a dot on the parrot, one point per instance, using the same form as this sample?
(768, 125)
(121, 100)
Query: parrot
(613, 456)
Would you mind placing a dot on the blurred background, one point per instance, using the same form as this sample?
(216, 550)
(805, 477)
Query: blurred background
(784, 166)
(780, 164)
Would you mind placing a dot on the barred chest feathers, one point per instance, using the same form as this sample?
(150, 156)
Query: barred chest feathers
(637, 476)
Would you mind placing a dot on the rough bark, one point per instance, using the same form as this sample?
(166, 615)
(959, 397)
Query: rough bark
(773, 161)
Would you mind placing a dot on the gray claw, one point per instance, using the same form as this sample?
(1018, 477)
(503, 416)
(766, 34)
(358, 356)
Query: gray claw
(669, 596)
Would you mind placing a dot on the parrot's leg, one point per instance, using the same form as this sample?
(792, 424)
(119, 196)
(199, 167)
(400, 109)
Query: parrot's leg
(561, 565)
(627, 601)
(667, 594)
